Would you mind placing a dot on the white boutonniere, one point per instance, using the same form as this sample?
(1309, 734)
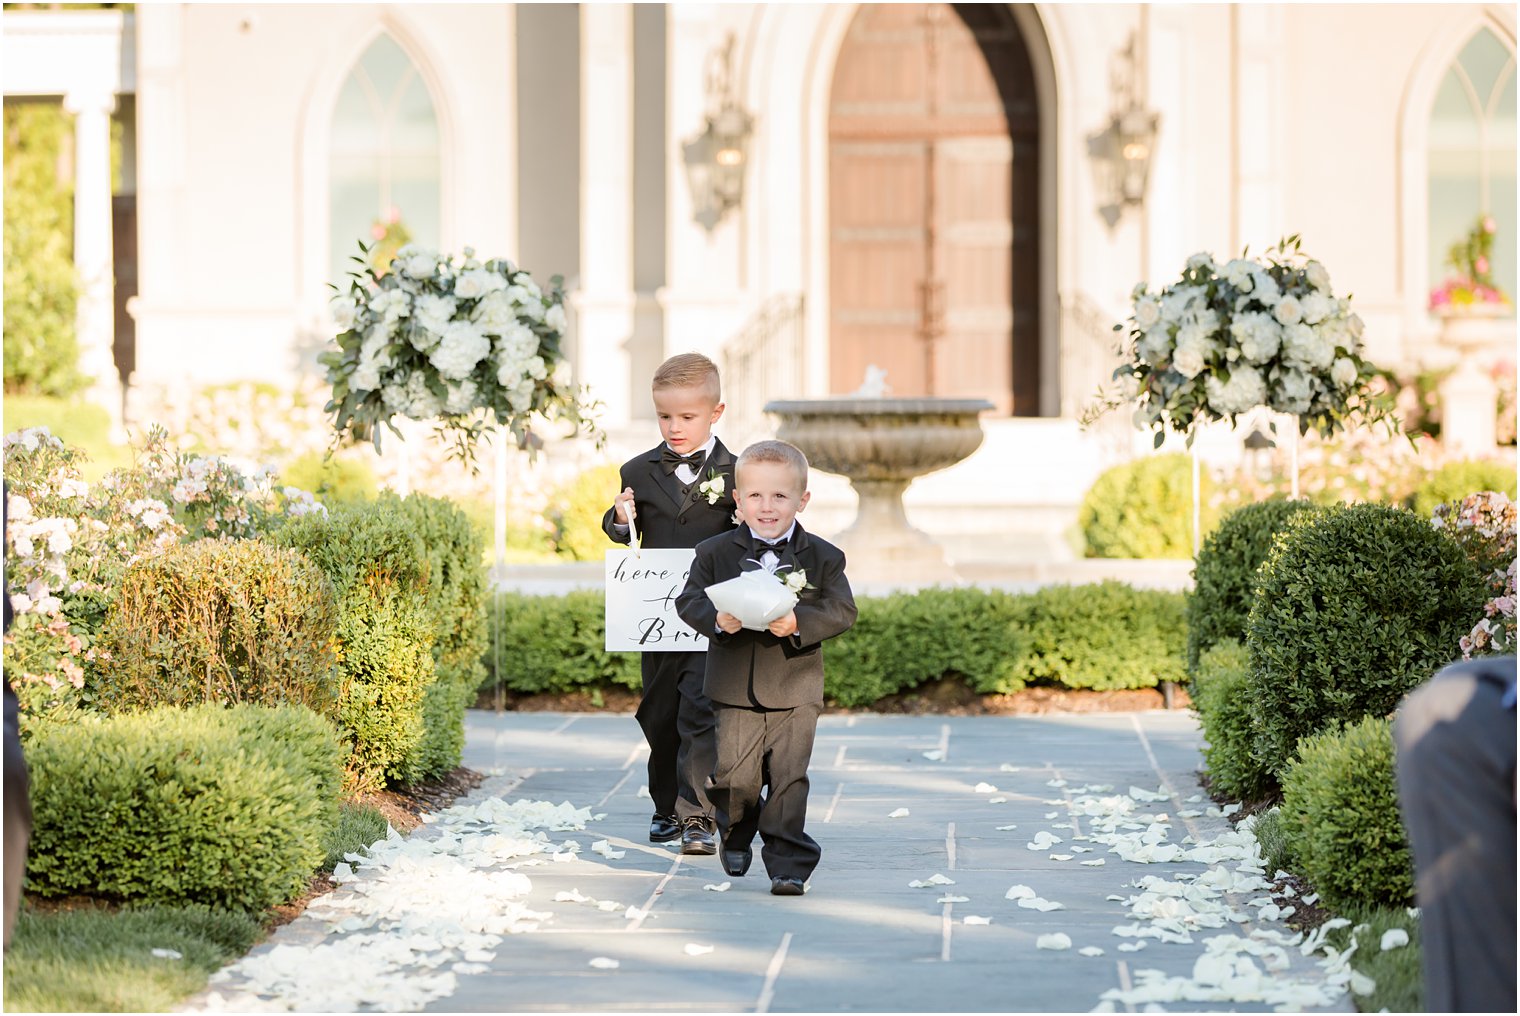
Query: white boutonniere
(795, 580)
(712, 488)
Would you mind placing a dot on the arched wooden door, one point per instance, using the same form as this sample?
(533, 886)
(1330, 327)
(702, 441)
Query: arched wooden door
(934, 205)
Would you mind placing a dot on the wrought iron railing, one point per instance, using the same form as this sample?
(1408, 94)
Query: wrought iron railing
(764, 361)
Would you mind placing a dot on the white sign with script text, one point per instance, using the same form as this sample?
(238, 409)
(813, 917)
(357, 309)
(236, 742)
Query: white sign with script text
(641, 602)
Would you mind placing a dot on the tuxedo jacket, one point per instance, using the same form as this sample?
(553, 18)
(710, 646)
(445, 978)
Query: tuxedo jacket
(756, 668)
(663, 516)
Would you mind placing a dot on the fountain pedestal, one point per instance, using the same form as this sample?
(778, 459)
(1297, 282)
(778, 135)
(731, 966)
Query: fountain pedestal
(881, 446)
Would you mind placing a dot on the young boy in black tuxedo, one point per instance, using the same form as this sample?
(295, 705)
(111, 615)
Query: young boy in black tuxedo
(767, 686)
(678, 494)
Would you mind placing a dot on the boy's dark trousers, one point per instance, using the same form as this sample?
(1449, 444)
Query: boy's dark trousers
(677, 720)
(767, 748)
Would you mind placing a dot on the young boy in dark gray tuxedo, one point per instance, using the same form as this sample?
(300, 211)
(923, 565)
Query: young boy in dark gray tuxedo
(678, 493)
(767, 686)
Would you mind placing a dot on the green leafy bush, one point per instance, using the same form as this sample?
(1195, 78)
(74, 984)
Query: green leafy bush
(203, 805)
(1144, 509)
(576, 509)
(1455, 480)
(1224, 577)
(1342, 812)
(1355, 606)
(1100, 636)
(906, 639)
(41, 284)
(1222, 701)
(1276, 843)
(455, 600)
(554, 644)
(359, 826)
(220, 621)
(380, 570)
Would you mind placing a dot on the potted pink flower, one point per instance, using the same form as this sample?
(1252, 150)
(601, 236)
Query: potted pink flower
(1471, 291)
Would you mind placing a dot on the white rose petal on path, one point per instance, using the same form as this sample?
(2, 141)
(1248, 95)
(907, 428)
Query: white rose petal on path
(1090, 950)
(997, 800)
(469, 968)
(1131, 946)
(1394, 938)
(1361, 984)
(604, 848)
(1056, 940)
(1006, 768)
(1097, 863)
(610, 906)
(1052, 814)
(604, 963)
(168, 954)
(1055, 783)
(1005, 828)
(1060, 857)
(1042, 905)
(930, 882)
(953, 899)
(899, 813)
(572, 896)
(973, 919)
(634, 913)
(693, 949)
(985, 788)
(1042, 841)
(644, 793)
(721, 887)
(934, 756)
(1019, 892)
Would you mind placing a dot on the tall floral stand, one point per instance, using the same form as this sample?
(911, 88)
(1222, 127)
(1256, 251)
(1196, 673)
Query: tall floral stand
(1469, 396)
(499, 556)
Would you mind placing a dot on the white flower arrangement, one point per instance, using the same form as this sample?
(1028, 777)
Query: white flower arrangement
(713, 487)
(466, 345)
(1227, 338)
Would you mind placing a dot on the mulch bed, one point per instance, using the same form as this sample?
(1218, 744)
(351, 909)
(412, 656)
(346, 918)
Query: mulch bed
(944, 697)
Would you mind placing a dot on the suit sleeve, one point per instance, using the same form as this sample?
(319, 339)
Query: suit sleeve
(609, 521)
(832, 612)
(692, 604)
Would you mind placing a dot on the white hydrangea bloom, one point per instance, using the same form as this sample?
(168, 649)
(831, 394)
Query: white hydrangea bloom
(476, 282)
(1240, 273)
(1304, 346)
(435, 312)
(462, 347)
(1258, 335)
(461, 397)
(1316, 307)
(554, 317)
(1293, 392)
(1343, 372)
(494, 313)
(1245, 390)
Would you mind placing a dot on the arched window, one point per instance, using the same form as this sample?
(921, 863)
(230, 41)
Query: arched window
(385, 168)
(1472, 155)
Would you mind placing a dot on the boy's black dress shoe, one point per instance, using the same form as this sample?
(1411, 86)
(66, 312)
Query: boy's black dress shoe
(696, 838)
(785, 885)
(663, 828)
(736, 862)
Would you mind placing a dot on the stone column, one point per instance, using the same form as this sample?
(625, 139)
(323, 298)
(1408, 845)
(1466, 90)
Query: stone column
(92, 246)
(1469, 396)
(606, 301)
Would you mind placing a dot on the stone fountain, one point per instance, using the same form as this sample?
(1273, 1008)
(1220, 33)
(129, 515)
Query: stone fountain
(882, 445)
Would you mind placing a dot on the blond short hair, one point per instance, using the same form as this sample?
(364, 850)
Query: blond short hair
(775, 451)
(689, 370)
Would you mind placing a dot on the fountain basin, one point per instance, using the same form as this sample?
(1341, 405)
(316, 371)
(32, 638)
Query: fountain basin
(881, 445)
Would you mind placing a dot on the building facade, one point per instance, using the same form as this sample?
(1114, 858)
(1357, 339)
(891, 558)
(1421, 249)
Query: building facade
(948, 192)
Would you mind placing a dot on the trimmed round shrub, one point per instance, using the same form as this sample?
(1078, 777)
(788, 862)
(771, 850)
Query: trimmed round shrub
(377, 563)
(576, 509)
(332, 479)
(1222, 701)
(1340, 808)
(220, 621)
(1355, 606)
(455, 600)
(1144, 509)
(1224, 577)
(554, 644)
(904, 640)
(1103, 636)
(1455, 480)
(228, 807)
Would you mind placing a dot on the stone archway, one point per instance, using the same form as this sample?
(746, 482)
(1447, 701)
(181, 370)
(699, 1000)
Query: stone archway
(934, 184)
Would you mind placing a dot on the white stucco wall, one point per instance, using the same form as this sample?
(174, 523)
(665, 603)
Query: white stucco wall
(236, 105)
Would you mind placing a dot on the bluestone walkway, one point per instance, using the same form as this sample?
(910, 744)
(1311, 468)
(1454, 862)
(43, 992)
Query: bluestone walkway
(861, 939)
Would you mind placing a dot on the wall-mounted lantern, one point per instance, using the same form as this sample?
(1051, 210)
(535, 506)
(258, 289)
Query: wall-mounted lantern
(1122, 152)
(717, 158)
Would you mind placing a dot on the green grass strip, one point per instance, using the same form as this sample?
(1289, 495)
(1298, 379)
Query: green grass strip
(1400, 985)
(98, 960)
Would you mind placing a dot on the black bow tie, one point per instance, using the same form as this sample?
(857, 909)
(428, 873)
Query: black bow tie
(670, 459)
(761, 547)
